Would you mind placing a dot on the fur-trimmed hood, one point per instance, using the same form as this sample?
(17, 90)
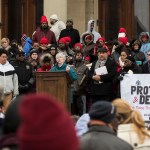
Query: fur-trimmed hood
(86, 34)
(46, 55)
(144, 33)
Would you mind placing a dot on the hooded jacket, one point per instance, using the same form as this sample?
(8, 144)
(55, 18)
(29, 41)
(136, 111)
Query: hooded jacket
(43, 67)
(96, 34)
(57, 27)
(9, 79)
(144, 46)
(27, 46)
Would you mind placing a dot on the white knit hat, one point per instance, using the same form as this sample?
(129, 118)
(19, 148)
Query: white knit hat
(54, 16)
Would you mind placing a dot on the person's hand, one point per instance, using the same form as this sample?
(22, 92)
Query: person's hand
(27, 86)
(96, 77)
(67, 68)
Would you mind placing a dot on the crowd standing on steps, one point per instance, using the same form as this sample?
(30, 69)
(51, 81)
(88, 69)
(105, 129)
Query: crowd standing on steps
(95, 69)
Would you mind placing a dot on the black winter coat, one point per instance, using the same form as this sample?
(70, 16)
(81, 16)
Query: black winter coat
(105, 88)
(145, 68)
(24, 72)
(73, 34)
(102, 138)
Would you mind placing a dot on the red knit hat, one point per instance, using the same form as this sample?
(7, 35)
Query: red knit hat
(43, 19)
(68, 39)
(122, 32)
(79, 45)
(62, 40)
(87, 58)
(100, 39)
(124, 40)
(44, 41)
(88, 37)
(145, 36)
(45, 125)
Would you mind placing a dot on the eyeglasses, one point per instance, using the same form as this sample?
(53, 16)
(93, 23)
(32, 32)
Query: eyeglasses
(148, 54)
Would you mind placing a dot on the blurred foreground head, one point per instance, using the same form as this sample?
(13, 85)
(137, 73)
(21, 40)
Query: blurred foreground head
(45, 124)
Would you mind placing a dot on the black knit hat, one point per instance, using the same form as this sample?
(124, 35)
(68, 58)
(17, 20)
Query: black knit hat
(53, 47)
(102, 110)
(102, 50)
(33, 51)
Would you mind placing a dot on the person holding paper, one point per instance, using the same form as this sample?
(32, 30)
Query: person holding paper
(101, 75)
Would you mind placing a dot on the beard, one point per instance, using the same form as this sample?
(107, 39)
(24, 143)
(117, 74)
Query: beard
(78, 60)
(45, 27)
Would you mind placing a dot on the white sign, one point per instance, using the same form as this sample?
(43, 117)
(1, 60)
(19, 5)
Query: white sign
(135, 88)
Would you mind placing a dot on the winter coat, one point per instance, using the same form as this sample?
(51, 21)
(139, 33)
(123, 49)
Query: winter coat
(102, 138)
(39, 34)
(145, 68)
(27, 47)
(57, 27)
(9, 79)
(135, 69)
(81, 82)
(72, 33)
(105, 88)
(138, 56)
(144, 46)
(88, 49)
(96, 34)
(128, 134)
(82, 124)
(72, 73)
(25, 74)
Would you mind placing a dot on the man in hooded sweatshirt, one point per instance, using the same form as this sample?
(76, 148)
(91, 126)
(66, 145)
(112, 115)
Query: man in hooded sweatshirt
(56, 25)
(91, 29)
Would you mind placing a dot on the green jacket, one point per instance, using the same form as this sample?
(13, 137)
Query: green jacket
(72, 73)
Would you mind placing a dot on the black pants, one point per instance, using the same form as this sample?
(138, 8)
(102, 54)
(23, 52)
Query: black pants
(78, 105)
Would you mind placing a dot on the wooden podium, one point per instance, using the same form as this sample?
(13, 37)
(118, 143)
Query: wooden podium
(56, 84)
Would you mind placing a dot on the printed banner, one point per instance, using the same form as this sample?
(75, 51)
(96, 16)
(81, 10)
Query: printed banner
(135, 88)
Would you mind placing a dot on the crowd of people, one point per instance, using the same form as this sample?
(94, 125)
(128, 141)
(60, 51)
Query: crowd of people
(96, 68)
(82, 57)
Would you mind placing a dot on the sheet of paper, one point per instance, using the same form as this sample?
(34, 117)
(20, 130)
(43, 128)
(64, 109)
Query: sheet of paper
(102, 70)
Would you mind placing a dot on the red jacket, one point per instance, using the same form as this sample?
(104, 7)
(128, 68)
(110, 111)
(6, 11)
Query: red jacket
(39, 34)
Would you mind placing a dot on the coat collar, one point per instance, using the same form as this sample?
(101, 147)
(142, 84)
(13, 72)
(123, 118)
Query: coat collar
(99, 128)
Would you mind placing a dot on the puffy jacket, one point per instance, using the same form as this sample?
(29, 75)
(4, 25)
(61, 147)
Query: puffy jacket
(102, 138)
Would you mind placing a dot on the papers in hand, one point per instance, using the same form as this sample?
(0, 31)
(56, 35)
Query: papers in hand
(101, 71)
